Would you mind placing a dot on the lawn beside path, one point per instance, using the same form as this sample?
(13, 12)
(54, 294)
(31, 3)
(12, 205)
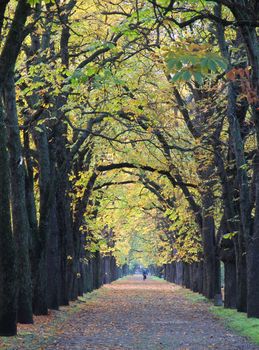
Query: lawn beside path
(132, 314)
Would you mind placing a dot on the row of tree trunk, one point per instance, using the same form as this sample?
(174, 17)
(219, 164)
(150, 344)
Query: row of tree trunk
(193, 277)
(44, 259)
(239, 251)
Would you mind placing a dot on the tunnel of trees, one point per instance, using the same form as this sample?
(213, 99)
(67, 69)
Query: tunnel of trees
(129, 131)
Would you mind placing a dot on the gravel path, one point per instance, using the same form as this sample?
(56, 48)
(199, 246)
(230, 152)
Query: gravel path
(131, 314)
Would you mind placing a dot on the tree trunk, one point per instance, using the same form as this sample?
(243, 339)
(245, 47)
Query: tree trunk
(228, 256)
(64, 215)
(230, 285)
(8, 307)
(97, 270)
(53, 261)
(200, 273)
(18, 203)
(253, 255)
(241, 273)
(32, 212)
(179, 273)
(186, 275)
(89, 276)
(40, 304)
(195, 277)
(208, 242)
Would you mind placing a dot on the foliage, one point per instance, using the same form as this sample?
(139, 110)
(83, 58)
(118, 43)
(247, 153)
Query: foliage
(189, 60)
(136, 121)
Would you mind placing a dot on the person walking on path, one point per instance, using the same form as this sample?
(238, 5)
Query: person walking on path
(144, 272)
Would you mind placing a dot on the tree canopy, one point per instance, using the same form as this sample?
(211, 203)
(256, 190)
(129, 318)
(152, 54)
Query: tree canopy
(129, 135)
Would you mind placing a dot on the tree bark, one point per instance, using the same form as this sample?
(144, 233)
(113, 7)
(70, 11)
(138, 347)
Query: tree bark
(8, 285)
(253, 255)
(18, 204)
(53, 261)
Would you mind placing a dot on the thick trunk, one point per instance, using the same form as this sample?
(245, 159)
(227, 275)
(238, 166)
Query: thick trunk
(195, 277)
(241, 243)
(106, 269)
(125, 270)
(228, 256)
(89, 275)
(97, 273)
(115, 269)
(241, 273)
(253, 279)
(66, 266)
(179, 273)
(68, 262)
(18, 202)
(169, 272)
(7, 251)
(76, 277)
(64, 216)
(77, 243)
(77, 235)
(53, 262)
(112, 268)
(253, 256)
(40, 304)
(209, 249)
(250, 37)
(217, 293)
(166, 269)
(200, 274)
(9, 53)
(230, 285)
(245, 209)
(31, 209)
(174, 274)
(81, 279)
(192, 282)
(186, 275)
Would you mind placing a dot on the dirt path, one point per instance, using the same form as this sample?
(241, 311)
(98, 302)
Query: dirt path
(150, 315)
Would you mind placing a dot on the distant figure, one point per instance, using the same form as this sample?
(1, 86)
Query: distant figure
(144, 272)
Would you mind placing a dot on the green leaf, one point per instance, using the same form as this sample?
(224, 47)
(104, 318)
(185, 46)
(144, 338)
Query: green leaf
(164, 3)
(230, 235)
(221, 63)
(186, 75)
(33, 3)
(204, 62)
(110, 45)
(176, 77)
(212, 65)
(179, 65)
(171, 62)
(198, 77)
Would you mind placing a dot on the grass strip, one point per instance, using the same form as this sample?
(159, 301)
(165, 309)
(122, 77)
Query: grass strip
(237, 321)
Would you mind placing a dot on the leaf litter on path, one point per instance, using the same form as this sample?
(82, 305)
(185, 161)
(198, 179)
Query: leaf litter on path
(132, 314)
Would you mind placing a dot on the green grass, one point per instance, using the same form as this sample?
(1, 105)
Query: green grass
(122, 278)
(238, 321)
(155, 278)
(194, 297)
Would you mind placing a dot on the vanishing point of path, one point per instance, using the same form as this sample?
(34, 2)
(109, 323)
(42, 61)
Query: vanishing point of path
(131, 314)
